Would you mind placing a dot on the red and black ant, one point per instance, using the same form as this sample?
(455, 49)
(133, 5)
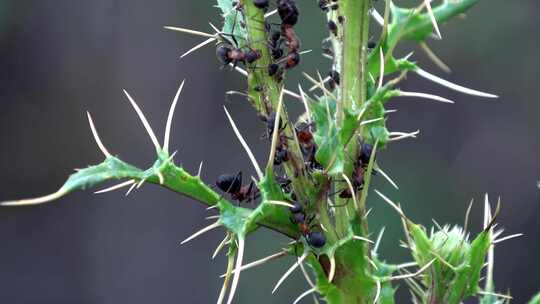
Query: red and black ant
(314, 238)
(228, 54)
(366, 150)
(232, 184)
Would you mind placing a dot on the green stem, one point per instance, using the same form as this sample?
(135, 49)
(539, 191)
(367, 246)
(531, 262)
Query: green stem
(264, 92)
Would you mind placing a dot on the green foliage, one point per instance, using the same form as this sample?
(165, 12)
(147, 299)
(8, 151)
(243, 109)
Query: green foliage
(535, 299)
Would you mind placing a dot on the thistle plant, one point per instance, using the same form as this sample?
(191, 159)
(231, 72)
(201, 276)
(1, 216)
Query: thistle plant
(315, 186)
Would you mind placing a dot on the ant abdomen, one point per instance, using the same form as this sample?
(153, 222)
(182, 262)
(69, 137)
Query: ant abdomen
(296, 208)
(316, 239)
(230, 183)
(222, 53)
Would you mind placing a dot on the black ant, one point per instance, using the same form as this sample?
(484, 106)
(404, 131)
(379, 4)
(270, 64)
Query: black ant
(314, 238)
(232, 184)
(288, 12)
(228, 54)
(341, 19)
(371, 45)
(366, 150)
(270, 121)
(292, 60)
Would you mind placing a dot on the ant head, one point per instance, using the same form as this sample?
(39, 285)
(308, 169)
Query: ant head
(252, 56)
(230, 183)
(334, 75)
(346, 193)
(371, 44)
(262, 4)
(293, 59)
(277, 53)
(222, 53)
(316, 239)
(297, 208)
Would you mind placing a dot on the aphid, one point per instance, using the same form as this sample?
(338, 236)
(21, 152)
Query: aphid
(323, 5)
(292, 60)
(332, 27)
(232, 184)
(262, 4)
(334, 79)
(288, 12)
(282, 155)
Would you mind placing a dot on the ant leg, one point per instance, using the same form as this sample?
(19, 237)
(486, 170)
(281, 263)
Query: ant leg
(340, 205)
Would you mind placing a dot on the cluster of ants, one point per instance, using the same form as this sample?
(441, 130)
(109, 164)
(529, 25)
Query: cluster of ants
(288, 12)
(232, 184)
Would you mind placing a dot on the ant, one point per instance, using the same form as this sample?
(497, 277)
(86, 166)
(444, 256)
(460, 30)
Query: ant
(314, 238)
(366, 150)
(228, 54)
(292, 60)
(275, 45)
(232, 184)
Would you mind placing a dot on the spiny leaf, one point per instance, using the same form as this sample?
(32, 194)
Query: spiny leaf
(418, 26)
(535, 299)
(330, 148)
(278, 216)
(232, 21)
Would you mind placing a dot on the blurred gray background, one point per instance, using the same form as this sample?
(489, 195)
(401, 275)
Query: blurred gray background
(61, 58)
